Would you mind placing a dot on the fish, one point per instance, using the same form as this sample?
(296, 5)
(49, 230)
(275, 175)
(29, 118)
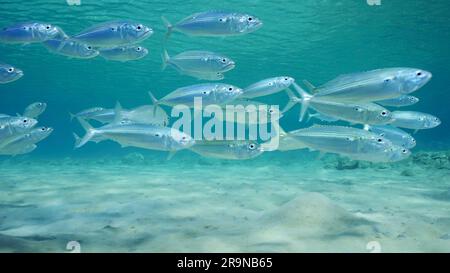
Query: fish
(34, 110)
(114, 33)
(372, 85)
(401, 101)
(71, 48)
(18, 150)
(12, 126)
(9, 73)
(210, 93)
(360, 112)
(322, 117)
(22, 140)
(124, 53)
(268, 87)
(354, 143)
(395, 135)
(250, 112)
(198, 62)
(414, 120)
(146, 114)
(129, 134)
(28, 32)
(227, 149)
(393, 153)
(215, 23)
(217, 76)
(96, 113)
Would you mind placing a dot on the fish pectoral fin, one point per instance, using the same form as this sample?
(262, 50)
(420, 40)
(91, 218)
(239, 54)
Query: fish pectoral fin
(170, 155)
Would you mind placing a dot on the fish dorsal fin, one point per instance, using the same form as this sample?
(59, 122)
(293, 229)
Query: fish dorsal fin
(118, 113)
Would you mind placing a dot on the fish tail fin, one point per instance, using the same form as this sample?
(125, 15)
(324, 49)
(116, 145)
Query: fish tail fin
(77, 139)
(165, 59)
(90, 131)
(293, 100)
(310, 116)
(169, 27)
(154, 101)
(72, 116)
(276, 133)
(305, 99)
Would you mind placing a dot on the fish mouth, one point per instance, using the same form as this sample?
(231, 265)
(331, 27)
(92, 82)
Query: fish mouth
(229, 66)
(148, 32)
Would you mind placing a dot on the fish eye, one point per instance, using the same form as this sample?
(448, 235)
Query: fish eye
(419, 74)
(204, 92)
(11, 69)
(404, 151)
(139, 48)
(48, 27)
(89, 47)
(286, 79)
(252, 146)
(221, 20)
(230, 89)
(184, 138)
(139, 27)
(250, 19)
(25, 121)
(380, 140)
(387, 80)
(157, 135)
(113, 29)
(384, 113)
(43, 129)
(224, 60)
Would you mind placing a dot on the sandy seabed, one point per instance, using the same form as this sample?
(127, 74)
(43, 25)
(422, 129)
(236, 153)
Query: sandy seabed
(287, 203)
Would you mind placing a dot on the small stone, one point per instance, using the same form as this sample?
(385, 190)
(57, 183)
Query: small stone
(407, 173)
(133, 158)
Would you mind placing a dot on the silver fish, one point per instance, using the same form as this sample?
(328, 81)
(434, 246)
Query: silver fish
(146, 114)
(231, 150)
(18, 150)
(9, 73)
(267, 87)
(322, 117)
(202, 62)
(211, 93)
(250, 112)
(217, 76)
(94, 113)
(394, 134)
(136, 135)
(364, 113)
(71, 48)
(373, 85)
(346, 141)
(215, 23)
(392, 153)
(13, 126)
(24, 33)
(124, 53)
(115, 33)
(401, 101)
(21, 140)
(34, 110)
(414, 120)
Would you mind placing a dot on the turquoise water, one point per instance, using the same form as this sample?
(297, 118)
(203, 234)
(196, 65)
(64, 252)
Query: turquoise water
(112, 199)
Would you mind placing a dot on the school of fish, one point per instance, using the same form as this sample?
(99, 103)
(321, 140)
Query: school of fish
(359, 98)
